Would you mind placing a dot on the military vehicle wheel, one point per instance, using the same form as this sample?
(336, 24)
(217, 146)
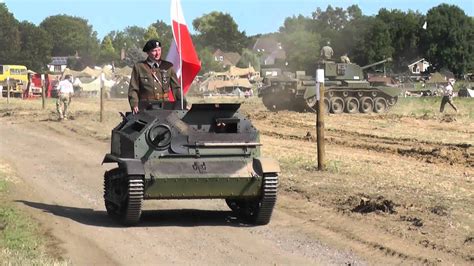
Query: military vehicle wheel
(392, 101)
(380, 105)
(311, 103)
(337, 105)
(352, 105)
(327, 105)
(123, 196)
(258, 211)
(366, 105)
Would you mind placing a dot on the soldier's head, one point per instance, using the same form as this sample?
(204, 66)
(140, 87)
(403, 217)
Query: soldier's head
(153, 49)
(451, 81)
(68, 77)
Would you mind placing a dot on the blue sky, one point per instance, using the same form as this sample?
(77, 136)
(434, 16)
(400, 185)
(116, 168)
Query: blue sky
(257, 16)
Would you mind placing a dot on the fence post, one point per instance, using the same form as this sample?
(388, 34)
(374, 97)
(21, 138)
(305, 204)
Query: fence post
(320, 118)
(102, 96)
(8, 90)
(43, 85)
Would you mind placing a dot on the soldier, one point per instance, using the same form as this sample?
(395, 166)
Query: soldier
(152, 80)
(448, 96)
(327, 52)
(65, 92)
(345, 58)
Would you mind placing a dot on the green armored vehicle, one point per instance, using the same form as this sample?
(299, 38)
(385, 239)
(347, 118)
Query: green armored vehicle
(346, 90)
(210, 151)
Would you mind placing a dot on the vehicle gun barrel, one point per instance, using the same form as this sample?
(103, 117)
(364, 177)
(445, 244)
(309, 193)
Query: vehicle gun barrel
(377, 63)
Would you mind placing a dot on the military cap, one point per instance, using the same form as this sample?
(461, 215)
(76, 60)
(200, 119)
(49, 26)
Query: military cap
(150, 45)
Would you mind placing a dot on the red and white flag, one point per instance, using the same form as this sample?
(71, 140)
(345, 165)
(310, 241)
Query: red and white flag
(182, 53)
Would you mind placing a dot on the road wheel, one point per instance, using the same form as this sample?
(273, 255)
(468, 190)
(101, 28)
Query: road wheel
(327, 105)
(392, 101)
(380, 105)
(366, 105)
(337, 105)
(311, 103)
(352, 105)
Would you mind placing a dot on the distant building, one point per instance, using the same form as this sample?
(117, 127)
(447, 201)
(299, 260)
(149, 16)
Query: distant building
(419, 66)
(270, 50)
(58, 64)
(226, 59)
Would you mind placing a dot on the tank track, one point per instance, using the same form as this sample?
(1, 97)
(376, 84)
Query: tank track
(258, 211)
(134, 203)
(123, 196)
(267, 202)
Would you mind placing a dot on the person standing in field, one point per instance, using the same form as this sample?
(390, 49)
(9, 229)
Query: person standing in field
(65, 92)
(448, 96)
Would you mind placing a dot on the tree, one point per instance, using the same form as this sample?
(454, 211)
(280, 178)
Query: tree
(249, 58)
(9, 36)
(448, 41)
(150, 34)
(71, 35)
(107, 51)
(404, 29)
(208, 63)
(217, 30)
(36, 46)
(374, 44)
(302, 49)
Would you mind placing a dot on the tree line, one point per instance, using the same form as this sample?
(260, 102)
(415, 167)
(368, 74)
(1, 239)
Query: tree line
(444, 36)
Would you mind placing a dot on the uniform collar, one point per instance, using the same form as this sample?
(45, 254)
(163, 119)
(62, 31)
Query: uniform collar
(151, 63)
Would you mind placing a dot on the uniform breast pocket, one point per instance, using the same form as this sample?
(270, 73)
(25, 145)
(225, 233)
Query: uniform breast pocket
(146, 83)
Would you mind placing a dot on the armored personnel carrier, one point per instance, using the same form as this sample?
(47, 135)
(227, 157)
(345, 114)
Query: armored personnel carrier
(208, 152)
(346, 90)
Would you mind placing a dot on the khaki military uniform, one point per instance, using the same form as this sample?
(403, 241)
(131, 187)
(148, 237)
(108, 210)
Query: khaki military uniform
(152, 83)
(345, 59)
(327, 52)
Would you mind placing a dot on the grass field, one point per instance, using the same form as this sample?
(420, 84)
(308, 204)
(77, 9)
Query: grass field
(22, 241)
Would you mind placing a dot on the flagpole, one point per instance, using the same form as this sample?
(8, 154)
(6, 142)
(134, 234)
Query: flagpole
(180, 61)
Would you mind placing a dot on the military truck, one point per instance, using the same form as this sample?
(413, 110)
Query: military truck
(346, 90)
(208, 152)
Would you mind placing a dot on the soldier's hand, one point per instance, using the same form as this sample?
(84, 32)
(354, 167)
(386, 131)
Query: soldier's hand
(135, 110)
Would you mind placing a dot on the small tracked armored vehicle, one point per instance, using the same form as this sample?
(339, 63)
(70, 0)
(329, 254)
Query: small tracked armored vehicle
(210, 151)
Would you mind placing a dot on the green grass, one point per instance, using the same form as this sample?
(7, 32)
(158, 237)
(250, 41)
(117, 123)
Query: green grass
(21, 241)
(429, 106)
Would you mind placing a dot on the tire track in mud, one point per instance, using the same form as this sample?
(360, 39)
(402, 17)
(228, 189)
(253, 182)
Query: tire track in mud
(430, 152)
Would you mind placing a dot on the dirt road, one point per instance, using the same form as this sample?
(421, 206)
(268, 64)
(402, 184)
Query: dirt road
(60, 183)
(398, 189)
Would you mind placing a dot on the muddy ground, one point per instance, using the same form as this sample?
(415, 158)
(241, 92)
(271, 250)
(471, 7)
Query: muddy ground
(398, 188)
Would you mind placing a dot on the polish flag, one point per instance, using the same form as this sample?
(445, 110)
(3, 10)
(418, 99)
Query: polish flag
(182, 53)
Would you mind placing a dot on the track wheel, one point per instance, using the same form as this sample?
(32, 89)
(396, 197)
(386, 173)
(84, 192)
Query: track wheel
(327, 105)
(380, 105)
(366, 105)
(352, 105)
(337, 105)
(392, 101)
(123, 196)
(258, 211)
(311, 103)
